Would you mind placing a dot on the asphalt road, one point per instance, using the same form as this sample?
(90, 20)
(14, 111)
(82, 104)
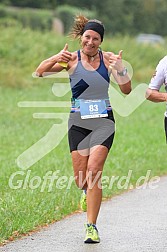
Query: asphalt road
(135, 221)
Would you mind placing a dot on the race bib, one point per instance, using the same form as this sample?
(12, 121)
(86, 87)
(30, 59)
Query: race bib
(93, 109)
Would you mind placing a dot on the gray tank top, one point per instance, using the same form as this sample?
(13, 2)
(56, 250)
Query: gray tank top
(87, 84)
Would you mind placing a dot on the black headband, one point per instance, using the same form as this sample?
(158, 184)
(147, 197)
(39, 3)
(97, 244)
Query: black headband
(97, 27)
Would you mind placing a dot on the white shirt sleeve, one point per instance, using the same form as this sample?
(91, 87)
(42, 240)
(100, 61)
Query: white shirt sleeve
(160, 76)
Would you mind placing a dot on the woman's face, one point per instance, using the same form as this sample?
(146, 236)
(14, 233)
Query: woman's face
(90, 41)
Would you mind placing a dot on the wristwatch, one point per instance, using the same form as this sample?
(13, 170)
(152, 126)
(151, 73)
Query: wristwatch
(123, 72)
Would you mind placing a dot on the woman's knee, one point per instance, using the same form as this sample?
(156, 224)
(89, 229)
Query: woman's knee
(94, 172)
(80, 179)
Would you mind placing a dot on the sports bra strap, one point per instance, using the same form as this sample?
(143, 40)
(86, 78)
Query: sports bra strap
(101, 55)
(79, 55)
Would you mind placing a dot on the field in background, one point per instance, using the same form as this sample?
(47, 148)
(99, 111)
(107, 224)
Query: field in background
(139, 142)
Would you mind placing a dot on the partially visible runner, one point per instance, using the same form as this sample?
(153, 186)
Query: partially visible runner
(91, 125)
(158, 80)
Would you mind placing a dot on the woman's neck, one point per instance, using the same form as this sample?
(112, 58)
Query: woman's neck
(90, 57)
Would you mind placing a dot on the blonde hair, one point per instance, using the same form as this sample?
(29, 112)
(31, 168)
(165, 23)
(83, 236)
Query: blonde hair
(78, 27)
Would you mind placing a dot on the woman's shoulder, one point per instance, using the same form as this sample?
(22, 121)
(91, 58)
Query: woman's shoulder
(74, 59)
(107, 55)
(74, 55)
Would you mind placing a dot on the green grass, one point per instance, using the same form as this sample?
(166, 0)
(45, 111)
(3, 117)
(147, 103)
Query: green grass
(139, 142)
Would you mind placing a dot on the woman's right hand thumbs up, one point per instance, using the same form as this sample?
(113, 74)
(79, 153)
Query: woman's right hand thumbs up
(64, 57)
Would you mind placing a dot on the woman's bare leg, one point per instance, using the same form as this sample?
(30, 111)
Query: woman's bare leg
(95, 165)
(79, 162)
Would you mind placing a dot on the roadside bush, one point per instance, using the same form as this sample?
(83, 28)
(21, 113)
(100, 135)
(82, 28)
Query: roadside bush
(33, 18)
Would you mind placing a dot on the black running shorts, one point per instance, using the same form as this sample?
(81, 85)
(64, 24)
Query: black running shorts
(86, 133)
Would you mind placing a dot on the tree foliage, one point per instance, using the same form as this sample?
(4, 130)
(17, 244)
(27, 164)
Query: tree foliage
(119, 16)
